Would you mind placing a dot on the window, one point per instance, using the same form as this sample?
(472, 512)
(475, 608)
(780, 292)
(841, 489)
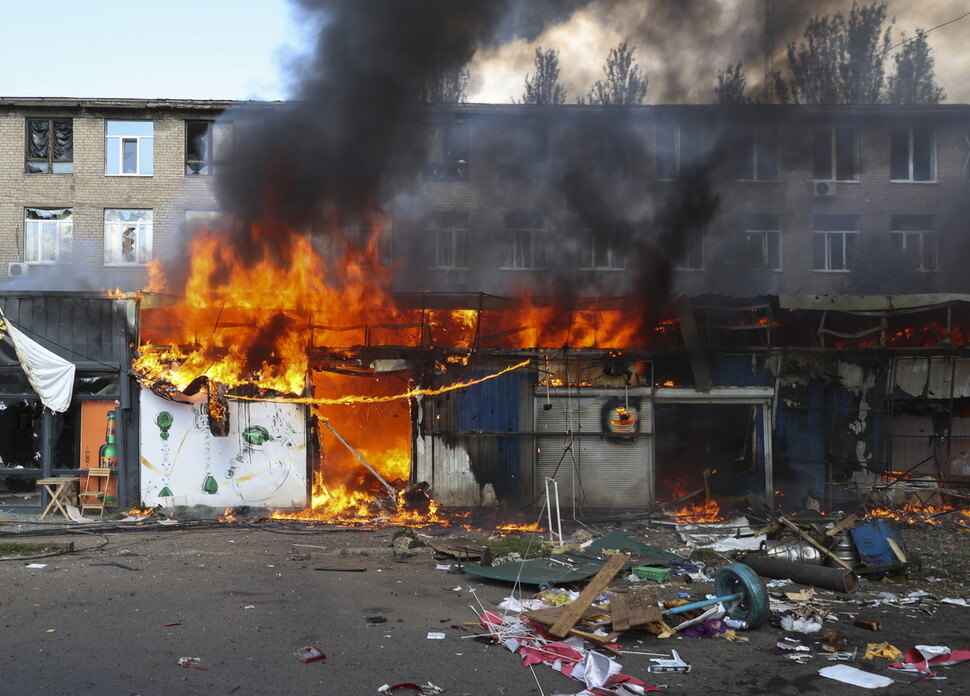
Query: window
(202, 221)
(835, 238)
(372, 237)
(127, 237)
(448, 153)
(48, 235)
(604, 249)
(129, 147)
(524, 240)
(677, 149)
(756, 155)
(916, 235)
(912, 154)
(834, 155)
(525, 153)
(208, 147)
(447, 241)
(762, 237)
(691, 256)
(50, 146)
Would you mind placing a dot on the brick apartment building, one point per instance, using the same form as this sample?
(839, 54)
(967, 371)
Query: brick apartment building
(756, 212)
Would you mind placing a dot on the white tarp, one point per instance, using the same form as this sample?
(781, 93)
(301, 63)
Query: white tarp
(51, 376)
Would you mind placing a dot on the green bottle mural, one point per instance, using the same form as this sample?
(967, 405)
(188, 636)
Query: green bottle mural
(108, 454)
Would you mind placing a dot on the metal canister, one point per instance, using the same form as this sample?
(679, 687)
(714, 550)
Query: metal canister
(791, 550)
(845, 550)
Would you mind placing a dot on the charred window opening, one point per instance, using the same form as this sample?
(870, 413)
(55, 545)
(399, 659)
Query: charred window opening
(916, 236)
(602, 151)
(208, 147)
(835, 154)
(129, 148)
(912, 154)
(50, 146)
(127, 237)
(834, 241)
(447, 240)
(448, 153)
(756, 155)
(524, 241)
(526, 154)
(689, 255)
(48, 235)
(678, 149)
(762, 239)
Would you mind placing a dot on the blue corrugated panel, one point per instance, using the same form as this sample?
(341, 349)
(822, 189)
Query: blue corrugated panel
(799, 443)
(740, 371)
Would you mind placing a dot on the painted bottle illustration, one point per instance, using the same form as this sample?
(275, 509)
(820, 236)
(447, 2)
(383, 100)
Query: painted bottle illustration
(108, 454)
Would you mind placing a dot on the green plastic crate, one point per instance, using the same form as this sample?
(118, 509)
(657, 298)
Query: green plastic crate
(648, 573)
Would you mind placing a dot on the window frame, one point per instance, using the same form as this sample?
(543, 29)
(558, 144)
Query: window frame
(51, 162)
(144, 149)
(745, 227)
(683, 138)
(114, 253)
(753, 148)
(833, 154)
(63, 236)
(524, 241)
(444, 230)
(828, 236)
(910, 154)
(450, 142)
(377, 230)
(693, 250)
(216, 147)
(597, 245)
(927, 239)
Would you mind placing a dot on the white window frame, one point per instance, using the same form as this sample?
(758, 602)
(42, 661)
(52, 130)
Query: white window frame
(752, 152)
(115, 142)
(136, 222)
(921, 239)
(48, 240)
(910, 156)
(830, 235)
(833, 173)
(524, 246)
(376, 229)
(678, 155)
(592, 261)
(455, 236)
(765, 234)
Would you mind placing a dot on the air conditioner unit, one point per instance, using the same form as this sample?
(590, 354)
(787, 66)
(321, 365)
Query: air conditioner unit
(18, 269)
(824, 189)
(456, 277)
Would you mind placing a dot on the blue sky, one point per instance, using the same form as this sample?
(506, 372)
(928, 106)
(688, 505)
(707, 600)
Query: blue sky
(174, 49)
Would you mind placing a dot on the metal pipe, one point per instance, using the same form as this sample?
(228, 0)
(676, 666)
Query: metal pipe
(389, 487)
(704, 603)
(826, 577)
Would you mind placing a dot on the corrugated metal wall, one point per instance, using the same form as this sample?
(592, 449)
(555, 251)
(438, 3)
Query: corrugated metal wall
(594, 468)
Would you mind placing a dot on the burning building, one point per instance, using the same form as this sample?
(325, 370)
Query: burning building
(351, 297)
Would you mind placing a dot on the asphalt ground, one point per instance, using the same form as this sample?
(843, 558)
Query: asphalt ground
(117, 614)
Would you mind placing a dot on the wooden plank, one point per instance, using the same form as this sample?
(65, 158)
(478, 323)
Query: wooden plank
(575, 610)
(634, 609)
(548, 616)
(807, 537)
(847, 522)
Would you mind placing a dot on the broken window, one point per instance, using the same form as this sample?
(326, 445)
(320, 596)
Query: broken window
(756, 154)
(197, 221)
(691, 254)
(916, 236)
(448, 154)
(678, 149)
(834, 240)
(48, 235)
(447, 240)
(912, 154)
(525, 153)
(524, 240)
(834, 155)
(208, 147)
(50, 146)
(129, 148)
(762, 237)
(127, 237)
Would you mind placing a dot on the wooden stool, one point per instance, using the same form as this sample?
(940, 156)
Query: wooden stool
(58, 487)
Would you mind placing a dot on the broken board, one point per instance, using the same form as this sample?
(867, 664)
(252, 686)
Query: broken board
(635, 609)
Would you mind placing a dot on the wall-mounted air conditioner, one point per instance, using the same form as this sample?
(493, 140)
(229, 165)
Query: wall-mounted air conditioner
(824, 189)
(456, 278)
(17, 269)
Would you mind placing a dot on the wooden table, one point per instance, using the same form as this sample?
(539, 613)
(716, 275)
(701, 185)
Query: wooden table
(59, 488)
